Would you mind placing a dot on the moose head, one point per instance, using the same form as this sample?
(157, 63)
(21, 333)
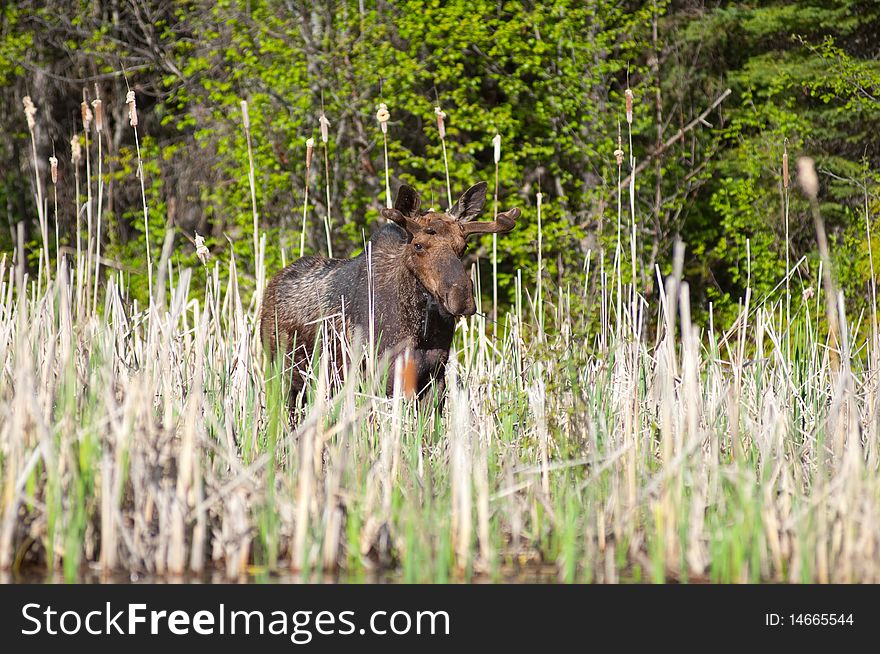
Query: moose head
(437, 243)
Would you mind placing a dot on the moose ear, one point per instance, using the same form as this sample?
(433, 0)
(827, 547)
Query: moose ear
(408, 201)
(470, 204)
(394, 215)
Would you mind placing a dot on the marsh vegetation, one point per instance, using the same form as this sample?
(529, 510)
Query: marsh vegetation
(620, 407)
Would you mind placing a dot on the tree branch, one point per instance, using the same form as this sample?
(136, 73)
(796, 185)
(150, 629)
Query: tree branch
(674, 139)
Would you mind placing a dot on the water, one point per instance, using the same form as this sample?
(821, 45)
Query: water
(541, 574)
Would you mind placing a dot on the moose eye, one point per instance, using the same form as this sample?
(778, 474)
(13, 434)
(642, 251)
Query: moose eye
(419, 247)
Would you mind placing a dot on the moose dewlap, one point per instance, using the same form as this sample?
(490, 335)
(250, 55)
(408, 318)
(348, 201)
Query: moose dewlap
(416, 278)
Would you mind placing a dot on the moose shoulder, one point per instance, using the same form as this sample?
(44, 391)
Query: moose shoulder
(419, 287)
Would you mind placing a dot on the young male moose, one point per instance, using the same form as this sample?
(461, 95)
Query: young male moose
(419, 287)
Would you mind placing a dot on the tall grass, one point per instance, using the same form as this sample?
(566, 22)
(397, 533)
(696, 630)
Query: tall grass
(156, 441)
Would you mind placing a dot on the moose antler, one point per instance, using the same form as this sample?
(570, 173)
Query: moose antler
(502, 224)
(405, 212)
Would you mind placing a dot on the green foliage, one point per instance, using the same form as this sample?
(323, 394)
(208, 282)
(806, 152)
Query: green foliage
(800, 72)
(527, 73)
(548, 77)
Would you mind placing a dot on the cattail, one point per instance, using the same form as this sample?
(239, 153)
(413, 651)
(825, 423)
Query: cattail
(441, 126)
(99, 110)
(53, 167)
(202, 252)
(618, 153)
(30, 111)
(132, 109)
(75, 150)
(133, 121)
(496, 142)
(325, 128)
(628, 94)
(383, 116)
(86, 114)
(785, 180)
(807, 177)
(99, 115)
(310, 150)
(246, 124)
(245, 116)
(325, 136)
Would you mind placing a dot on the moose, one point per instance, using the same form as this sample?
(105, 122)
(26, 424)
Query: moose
(413, 286)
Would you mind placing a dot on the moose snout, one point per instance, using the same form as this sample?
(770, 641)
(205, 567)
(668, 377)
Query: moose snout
(460, 299)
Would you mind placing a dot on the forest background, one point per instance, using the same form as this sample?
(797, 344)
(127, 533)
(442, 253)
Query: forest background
(549, 78)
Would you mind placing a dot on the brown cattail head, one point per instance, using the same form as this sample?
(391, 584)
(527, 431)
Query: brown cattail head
(245, 116)
(75, 150)
(132, 109)
(99, 114)
(325, 128)
(785, 179)
(310, 150)
(86, 111)
(628, 95)
(618, 153)
(30, 111)
(807, 177)
(441, 125)
(383, 116)
(53, 167)
(99, 109)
